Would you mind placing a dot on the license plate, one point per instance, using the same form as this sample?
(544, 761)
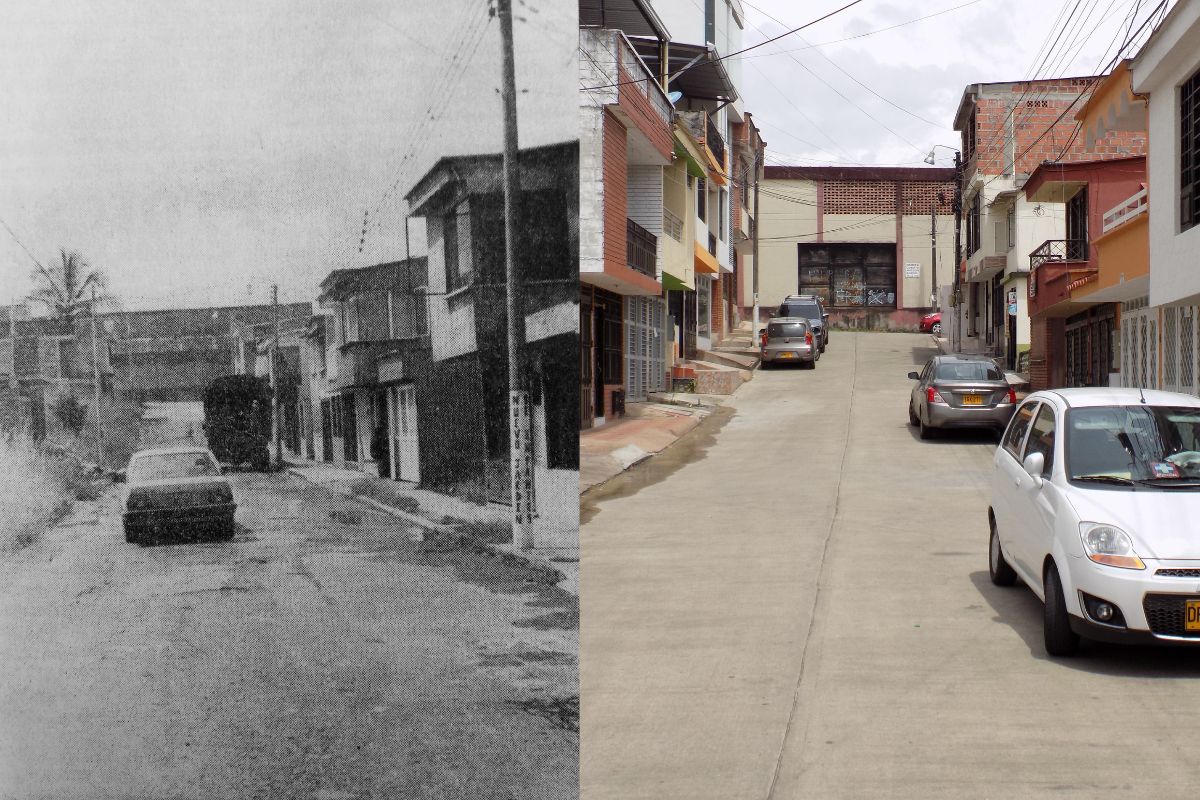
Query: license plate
(1191, 616)
(786, 354)
(972, 399)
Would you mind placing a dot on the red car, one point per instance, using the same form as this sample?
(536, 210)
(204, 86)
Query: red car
(932, 323)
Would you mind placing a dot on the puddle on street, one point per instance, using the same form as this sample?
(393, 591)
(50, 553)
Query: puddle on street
(691, 447)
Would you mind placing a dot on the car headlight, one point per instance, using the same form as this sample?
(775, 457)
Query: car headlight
(1109, 545)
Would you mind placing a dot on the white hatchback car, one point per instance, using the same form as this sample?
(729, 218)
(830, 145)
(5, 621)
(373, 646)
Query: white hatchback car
(1096, 507)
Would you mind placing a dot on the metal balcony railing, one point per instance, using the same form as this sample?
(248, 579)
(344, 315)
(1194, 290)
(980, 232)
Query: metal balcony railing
(712, 138)
(642, 79)
(1058, 250)
(641, 249)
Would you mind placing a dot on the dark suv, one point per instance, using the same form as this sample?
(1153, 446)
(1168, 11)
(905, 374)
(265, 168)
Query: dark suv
(809, 307)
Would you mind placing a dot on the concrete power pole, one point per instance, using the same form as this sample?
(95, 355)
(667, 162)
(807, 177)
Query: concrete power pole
(520, 433)
(933, 251)
(959, 316)
(274, 376)
(95, 382)
(754, 249)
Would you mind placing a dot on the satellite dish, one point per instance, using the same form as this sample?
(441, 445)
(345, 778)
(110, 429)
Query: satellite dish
(674, 97)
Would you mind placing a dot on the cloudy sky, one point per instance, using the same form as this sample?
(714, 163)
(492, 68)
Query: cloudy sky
(840, 93)
(200, 151)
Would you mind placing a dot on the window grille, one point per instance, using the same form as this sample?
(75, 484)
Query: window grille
(1187, 348)
(1170, 347)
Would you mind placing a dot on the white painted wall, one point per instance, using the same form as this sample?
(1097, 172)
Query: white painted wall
(450, 334)
(596, 68)
(1165, 63)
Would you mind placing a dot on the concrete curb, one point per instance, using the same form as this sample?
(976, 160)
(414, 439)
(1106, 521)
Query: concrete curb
(444, 530)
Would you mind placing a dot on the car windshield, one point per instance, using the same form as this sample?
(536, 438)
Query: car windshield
(1139, 443)
(800, 309)
(163, 466)
(967, 371)
(777, 330)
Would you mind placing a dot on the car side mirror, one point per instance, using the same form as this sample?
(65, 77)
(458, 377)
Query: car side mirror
(1035, 464)
(914, 376)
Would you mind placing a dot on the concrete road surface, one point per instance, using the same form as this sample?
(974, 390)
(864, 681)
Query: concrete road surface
(798, 606)
(322, 654)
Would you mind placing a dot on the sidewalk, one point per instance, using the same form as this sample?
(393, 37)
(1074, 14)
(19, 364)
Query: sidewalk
(646, 429)
(555, 531)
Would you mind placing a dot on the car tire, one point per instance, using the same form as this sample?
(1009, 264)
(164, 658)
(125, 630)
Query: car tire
(936, 329)
(1000, 571)
(924, 431)
(912, 417)
(132, 536)
(1060, 639)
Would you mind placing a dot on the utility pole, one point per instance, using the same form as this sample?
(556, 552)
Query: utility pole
(754, 247)
(96, 384)
(933, 250)
(274, 376)
(524, 504)
(959, 316)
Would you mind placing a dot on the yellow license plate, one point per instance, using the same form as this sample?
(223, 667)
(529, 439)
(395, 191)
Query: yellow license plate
(972, 399)
(1191, 616)
(787, 355)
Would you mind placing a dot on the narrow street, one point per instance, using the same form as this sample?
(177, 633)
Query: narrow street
(794, 602)
(326, 652)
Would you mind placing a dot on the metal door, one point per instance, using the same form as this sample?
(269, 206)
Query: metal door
(406, 460)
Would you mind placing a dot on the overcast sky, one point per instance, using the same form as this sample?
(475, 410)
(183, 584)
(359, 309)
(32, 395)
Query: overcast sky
(199, 151)
(836, 103)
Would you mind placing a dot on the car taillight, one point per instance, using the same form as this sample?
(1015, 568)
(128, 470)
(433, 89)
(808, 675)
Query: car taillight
(808, 338)
(931, 394)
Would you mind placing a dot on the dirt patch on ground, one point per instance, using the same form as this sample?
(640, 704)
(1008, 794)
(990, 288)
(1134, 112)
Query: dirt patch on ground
(561, 712)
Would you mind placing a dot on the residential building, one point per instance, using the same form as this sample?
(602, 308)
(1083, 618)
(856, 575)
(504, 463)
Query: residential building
(462, 398)
(867, 240)
(747, 163)
(1167, 71)
(1007, 130)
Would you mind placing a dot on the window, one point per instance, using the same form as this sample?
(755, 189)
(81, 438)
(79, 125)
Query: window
(1017, 428)
(1010, 225)
(1077, 227)
(701, 198)
(1041, 438)
(849, 275)
(968, 371)
(458, 274)
(968, 136)
(1189, 152)
(781, 330)
(721, 214)
(973, 238)
(672, 226)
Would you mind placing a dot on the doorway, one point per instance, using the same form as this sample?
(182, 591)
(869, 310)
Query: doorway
(402, 425)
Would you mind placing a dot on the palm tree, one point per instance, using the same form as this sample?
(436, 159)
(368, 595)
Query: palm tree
(65, 288)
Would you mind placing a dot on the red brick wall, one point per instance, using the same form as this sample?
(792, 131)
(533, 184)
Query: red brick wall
(633, 101)
(615, 198)
(718, 310)
(879, 197)
(1035, 113)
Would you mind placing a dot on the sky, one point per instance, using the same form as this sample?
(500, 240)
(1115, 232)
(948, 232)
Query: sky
(840, 93)
(198, 152)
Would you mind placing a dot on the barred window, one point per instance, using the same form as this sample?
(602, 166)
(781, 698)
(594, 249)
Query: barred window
(1189, 152)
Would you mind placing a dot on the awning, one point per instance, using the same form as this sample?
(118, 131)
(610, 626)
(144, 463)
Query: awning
(706, 261)
(671, 283)
(694, 167)
(633, 17)
(697, 69)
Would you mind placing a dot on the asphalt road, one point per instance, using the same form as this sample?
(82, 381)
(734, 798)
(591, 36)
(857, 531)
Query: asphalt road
(324, 653)
(797, 605)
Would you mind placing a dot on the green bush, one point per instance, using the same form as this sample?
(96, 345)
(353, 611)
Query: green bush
(71, 413)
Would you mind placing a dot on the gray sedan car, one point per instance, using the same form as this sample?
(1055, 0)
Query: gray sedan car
(788, 340)
(960, 391)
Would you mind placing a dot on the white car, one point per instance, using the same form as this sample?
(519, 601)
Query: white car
(1096, 507)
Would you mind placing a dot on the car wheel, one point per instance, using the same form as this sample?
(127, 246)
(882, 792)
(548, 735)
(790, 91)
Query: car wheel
(1060, 639)
(936, 330)
(132, 535)
(923, 430)
(1001, 572)
(912, 417)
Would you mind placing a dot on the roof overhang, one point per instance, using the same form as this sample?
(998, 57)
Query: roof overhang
(633, 17)
(696, 69)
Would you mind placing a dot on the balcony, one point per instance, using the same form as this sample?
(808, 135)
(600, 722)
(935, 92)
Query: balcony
(641, 249)
(358, 362)
(1058, 250)
(615, 77)
(1118, 215)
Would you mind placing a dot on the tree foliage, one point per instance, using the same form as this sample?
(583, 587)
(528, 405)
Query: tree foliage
(71, 413)
(65, 287)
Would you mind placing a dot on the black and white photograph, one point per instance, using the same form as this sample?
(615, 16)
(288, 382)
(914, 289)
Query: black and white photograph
(288, 439)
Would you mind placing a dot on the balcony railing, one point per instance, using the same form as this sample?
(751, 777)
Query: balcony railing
(641, 249)
(639, 77)
(1119, 215)
(712, 138)
(1058, 250)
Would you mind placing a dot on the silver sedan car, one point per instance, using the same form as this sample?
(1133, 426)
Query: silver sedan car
(788, 340)
(960, 391)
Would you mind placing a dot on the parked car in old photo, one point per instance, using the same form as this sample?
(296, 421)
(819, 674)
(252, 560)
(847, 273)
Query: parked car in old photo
(1095, 506)
(960, 391)
(178, 492)
(788, 340)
